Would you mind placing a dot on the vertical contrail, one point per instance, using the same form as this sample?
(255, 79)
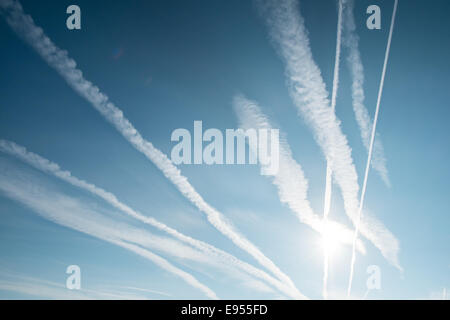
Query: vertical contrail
(354, 63)
(58, 59)
(290, 179)
(329, 173)
(372, 138)
(308, 92)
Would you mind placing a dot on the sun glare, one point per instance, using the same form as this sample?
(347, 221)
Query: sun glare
(330, 243)
(332, 237)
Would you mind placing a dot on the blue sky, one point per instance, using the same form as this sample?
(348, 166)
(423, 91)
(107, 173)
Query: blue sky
(166, 64)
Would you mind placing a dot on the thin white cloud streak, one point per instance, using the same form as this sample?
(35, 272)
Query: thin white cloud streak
(372, 139)
(71, 213)
(148, 291)
(329, 173)
(290, 179)
(166, 265)
(54, 169)
(51, 290)
(58, 59)
(351, 41)
(42, 291)
(309, 94)
(337, 57)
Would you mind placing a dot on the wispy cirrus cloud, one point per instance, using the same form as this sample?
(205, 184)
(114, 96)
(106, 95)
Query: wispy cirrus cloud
(58, 59)
(210, 251)
(329, 173)
(147, 291)
(371, 146)
(70, 212)
(40, 288)
(290, 179)
(308, 92)
(354, 62)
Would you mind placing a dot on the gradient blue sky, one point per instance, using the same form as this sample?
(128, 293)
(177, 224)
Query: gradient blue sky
(168, 63)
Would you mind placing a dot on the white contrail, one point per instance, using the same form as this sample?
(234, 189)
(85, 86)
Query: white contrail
(166, 265)
(57, 291)
(70, 212)
(308, 92)
(372, 139)
(337, 57)
(329, 173)
(351, 41)
(25, 27)
(290, 179)
(54, 169)
(148, 291)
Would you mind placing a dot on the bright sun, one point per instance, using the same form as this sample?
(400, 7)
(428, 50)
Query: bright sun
(330, 243)
(332, 237)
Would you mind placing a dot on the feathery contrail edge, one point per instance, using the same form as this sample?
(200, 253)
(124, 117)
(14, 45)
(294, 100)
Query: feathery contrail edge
(372, 138)
(24, 26)
(329, 172)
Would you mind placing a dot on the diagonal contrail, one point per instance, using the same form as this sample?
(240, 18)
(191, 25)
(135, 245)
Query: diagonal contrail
(54, 169)
(329, 172)
(43, 289)
(290, 179)
(58, 59)
(308, 93)
(72, 213)
(354, 63)
(372, 138)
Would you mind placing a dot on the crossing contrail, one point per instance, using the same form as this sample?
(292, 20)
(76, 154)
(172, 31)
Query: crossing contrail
(290, 179)
(58, 59)
(372, 138)
(354, 63)
(308, 93)
(54, 169)
(86, 218)
(329, 172)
